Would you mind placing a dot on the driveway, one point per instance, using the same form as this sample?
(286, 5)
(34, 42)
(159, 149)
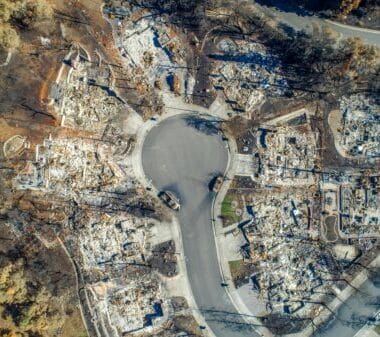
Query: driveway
(180, 158)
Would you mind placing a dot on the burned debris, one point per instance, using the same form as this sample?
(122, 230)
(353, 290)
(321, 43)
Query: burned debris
(304, 228)
(87, 248)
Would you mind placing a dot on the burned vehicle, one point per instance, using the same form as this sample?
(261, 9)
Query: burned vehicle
(216, 183)
(170, 200)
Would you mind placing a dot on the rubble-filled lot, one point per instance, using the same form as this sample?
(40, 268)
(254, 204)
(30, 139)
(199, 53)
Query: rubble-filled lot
(286, 153)
(305, 227)
(82, 226)
(64, 165)
(113, 240)
(131, 309)
(289, 266)
(246, 74)
(355, 203)
(83, 94)
(122, 287)
(356, 127)
(154, 54)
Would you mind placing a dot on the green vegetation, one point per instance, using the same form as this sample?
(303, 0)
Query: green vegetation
(377, 329)
(236, 268)
(240, 272)
(227, 212)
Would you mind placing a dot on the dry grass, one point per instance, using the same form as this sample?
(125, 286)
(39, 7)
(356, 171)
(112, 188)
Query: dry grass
(73, 326)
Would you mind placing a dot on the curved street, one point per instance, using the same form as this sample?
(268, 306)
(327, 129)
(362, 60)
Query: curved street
(178, 157)
(308, 23)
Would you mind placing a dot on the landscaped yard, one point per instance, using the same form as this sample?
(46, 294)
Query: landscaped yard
(240, 272)
(228, 212)
(236, 267)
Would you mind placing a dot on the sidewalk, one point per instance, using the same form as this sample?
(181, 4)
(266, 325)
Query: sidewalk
(369, 330)
(219, 233)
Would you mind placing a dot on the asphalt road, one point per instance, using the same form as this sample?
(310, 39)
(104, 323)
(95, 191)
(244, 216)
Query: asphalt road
(306, 22)
(355, 312)
(180, 158)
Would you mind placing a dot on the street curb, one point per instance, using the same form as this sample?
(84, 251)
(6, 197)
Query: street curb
(140, 174)
(232, 150)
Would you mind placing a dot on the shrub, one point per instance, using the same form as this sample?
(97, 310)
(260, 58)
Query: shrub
(31, 12)
(26, 13)
(9, 38)
(6, 10)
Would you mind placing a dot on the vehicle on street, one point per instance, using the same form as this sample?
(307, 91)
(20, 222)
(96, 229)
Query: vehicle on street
(217, 183)
(170, 200)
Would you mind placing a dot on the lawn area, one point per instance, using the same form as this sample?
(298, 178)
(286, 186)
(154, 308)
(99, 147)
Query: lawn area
(236, 268)
(240, 272)
(228, 214)
(377, 329)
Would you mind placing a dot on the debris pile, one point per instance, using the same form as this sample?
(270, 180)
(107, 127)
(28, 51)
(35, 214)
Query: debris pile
(67, 165)
(289, 266)
(305, 228)
(114, 240)
(286, 154)
(352, 206)
(154, 53)
(246, 74)
(358, 130)
(83, 93)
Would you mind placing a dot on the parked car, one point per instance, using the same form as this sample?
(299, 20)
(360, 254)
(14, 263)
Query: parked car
(170, 200)
(217, 183)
